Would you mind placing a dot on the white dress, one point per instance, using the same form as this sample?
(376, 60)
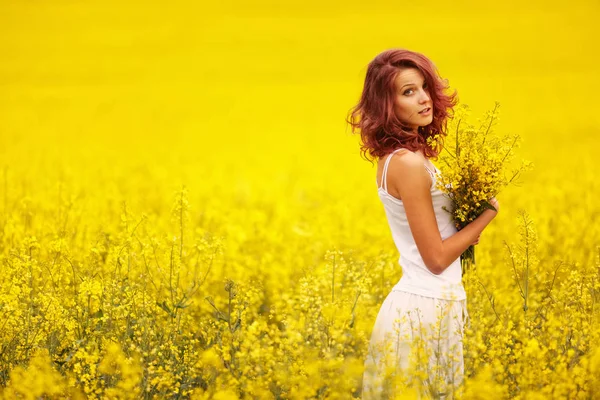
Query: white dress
(416, 342)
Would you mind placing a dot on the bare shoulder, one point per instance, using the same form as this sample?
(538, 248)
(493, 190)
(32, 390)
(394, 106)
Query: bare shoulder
(406, 159)
(411, 180)
(408, 174)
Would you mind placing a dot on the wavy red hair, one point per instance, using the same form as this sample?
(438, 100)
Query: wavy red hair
(380, 130)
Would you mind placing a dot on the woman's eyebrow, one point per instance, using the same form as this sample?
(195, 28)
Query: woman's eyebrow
(408, 84)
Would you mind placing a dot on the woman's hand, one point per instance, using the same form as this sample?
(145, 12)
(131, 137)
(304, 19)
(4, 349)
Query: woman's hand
(494, 202)
(476, 240)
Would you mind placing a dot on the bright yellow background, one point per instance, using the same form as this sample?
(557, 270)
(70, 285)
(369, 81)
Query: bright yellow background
(271, 83)
(106, 102)
(245, 94)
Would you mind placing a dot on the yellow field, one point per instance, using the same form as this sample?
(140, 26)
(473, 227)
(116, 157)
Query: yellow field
(185, 214)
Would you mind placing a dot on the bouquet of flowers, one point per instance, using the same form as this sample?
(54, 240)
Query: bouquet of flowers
(475, 167)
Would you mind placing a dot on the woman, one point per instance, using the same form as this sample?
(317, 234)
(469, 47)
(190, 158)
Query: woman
(416, 341)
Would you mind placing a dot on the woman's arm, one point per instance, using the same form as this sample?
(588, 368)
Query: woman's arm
(410, 179)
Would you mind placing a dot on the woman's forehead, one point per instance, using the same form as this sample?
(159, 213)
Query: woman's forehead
(408, 76)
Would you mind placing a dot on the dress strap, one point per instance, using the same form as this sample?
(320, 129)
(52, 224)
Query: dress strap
(385, 167)
(430, 172)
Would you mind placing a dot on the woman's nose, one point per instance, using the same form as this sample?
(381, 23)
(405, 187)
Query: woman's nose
(425, 96)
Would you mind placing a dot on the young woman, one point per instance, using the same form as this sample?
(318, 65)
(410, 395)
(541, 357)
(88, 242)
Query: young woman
(417, 337)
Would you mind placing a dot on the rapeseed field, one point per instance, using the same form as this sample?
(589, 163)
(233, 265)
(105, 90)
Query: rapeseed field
(185, 214)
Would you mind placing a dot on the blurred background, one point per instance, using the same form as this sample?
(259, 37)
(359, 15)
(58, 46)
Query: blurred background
(141, 141)
(246, 101)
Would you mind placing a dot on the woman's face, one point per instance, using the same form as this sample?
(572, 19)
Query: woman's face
(412, 97)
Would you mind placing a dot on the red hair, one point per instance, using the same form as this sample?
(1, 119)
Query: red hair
(380, 129)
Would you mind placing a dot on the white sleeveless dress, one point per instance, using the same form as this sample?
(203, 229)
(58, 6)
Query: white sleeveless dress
(416, 341)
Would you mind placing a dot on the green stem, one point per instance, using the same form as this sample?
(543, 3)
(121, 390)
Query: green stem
(467, 259)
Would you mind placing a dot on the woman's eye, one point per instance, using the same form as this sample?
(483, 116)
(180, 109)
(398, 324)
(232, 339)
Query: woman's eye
(410, 90)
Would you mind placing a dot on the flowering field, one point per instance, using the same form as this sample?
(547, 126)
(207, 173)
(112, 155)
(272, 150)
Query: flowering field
(184, 214)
